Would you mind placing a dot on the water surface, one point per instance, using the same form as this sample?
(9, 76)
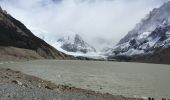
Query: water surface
(118, 78)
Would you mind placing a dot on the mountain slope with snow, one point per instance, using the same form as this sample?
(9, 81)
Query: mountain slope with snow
(152, 32)
(151, 35)
(156, 18)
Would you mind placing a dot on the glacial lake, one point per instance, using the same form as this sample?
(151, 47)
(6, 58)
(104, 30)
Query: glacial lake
(117, 78)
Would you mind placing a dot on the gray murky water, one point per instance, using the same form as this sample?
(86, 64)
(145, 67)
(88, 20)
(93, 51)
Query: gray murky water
(118, 78)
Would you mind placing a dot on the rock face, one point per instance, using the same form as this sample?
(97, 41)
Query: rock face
(149, 39)
(74, 43)
(14, 34)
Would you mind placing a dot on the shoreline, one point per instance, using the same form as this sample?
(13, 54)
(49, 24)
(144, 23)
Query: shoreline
(63, 92)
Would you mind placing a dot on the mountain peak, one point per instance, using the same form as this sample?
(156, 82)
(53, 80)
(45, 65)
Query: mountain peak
(75, 43)
(70, 38)
(77, 37)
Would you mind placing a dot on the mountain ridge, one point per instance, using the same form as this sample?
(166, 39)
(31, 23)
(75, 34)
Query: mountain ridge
(154, 19)
(148, 41)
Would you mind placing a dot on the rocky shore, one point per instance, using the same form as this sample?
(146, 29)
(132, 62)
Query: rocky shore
(15, 85)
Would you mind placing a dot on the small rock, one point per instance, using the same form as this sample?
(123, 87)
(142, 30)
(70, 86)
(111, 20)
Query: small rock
(8, 69)
(5, 77)
(17, 82)
(39, 85)
(25, 85)
(18, 77)
(17, 72)
(47, 87)
(67, 86)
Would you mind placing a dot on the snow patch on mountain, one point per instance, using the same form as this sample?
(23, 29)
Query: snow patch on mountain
(132, 52)
(144, 35)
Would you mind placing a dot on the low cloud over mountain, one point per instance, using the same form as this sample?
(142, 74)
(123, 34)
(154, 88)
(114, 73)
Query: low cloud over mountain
(107, 20)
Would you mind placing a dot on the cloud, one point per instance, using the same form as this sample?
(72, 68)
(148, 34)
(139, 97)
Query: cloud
(94, 20)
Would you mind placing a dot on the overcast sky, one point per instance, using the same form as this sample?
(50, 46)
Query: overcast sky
(97, 21)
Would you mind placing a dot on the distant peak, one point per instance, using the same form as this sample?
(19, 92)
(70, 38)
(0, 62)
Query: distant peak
(77, 36)
(74, 43)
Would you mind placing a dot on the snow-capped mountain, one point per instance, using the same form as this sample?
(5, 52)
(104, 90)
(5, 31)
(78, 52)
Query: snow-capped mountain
(71, 44)
(74, 43)
(151, 33)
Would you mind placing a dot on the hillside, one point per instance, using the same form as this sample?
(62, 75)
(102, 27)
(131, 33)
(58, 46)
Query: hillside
(16, 41)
